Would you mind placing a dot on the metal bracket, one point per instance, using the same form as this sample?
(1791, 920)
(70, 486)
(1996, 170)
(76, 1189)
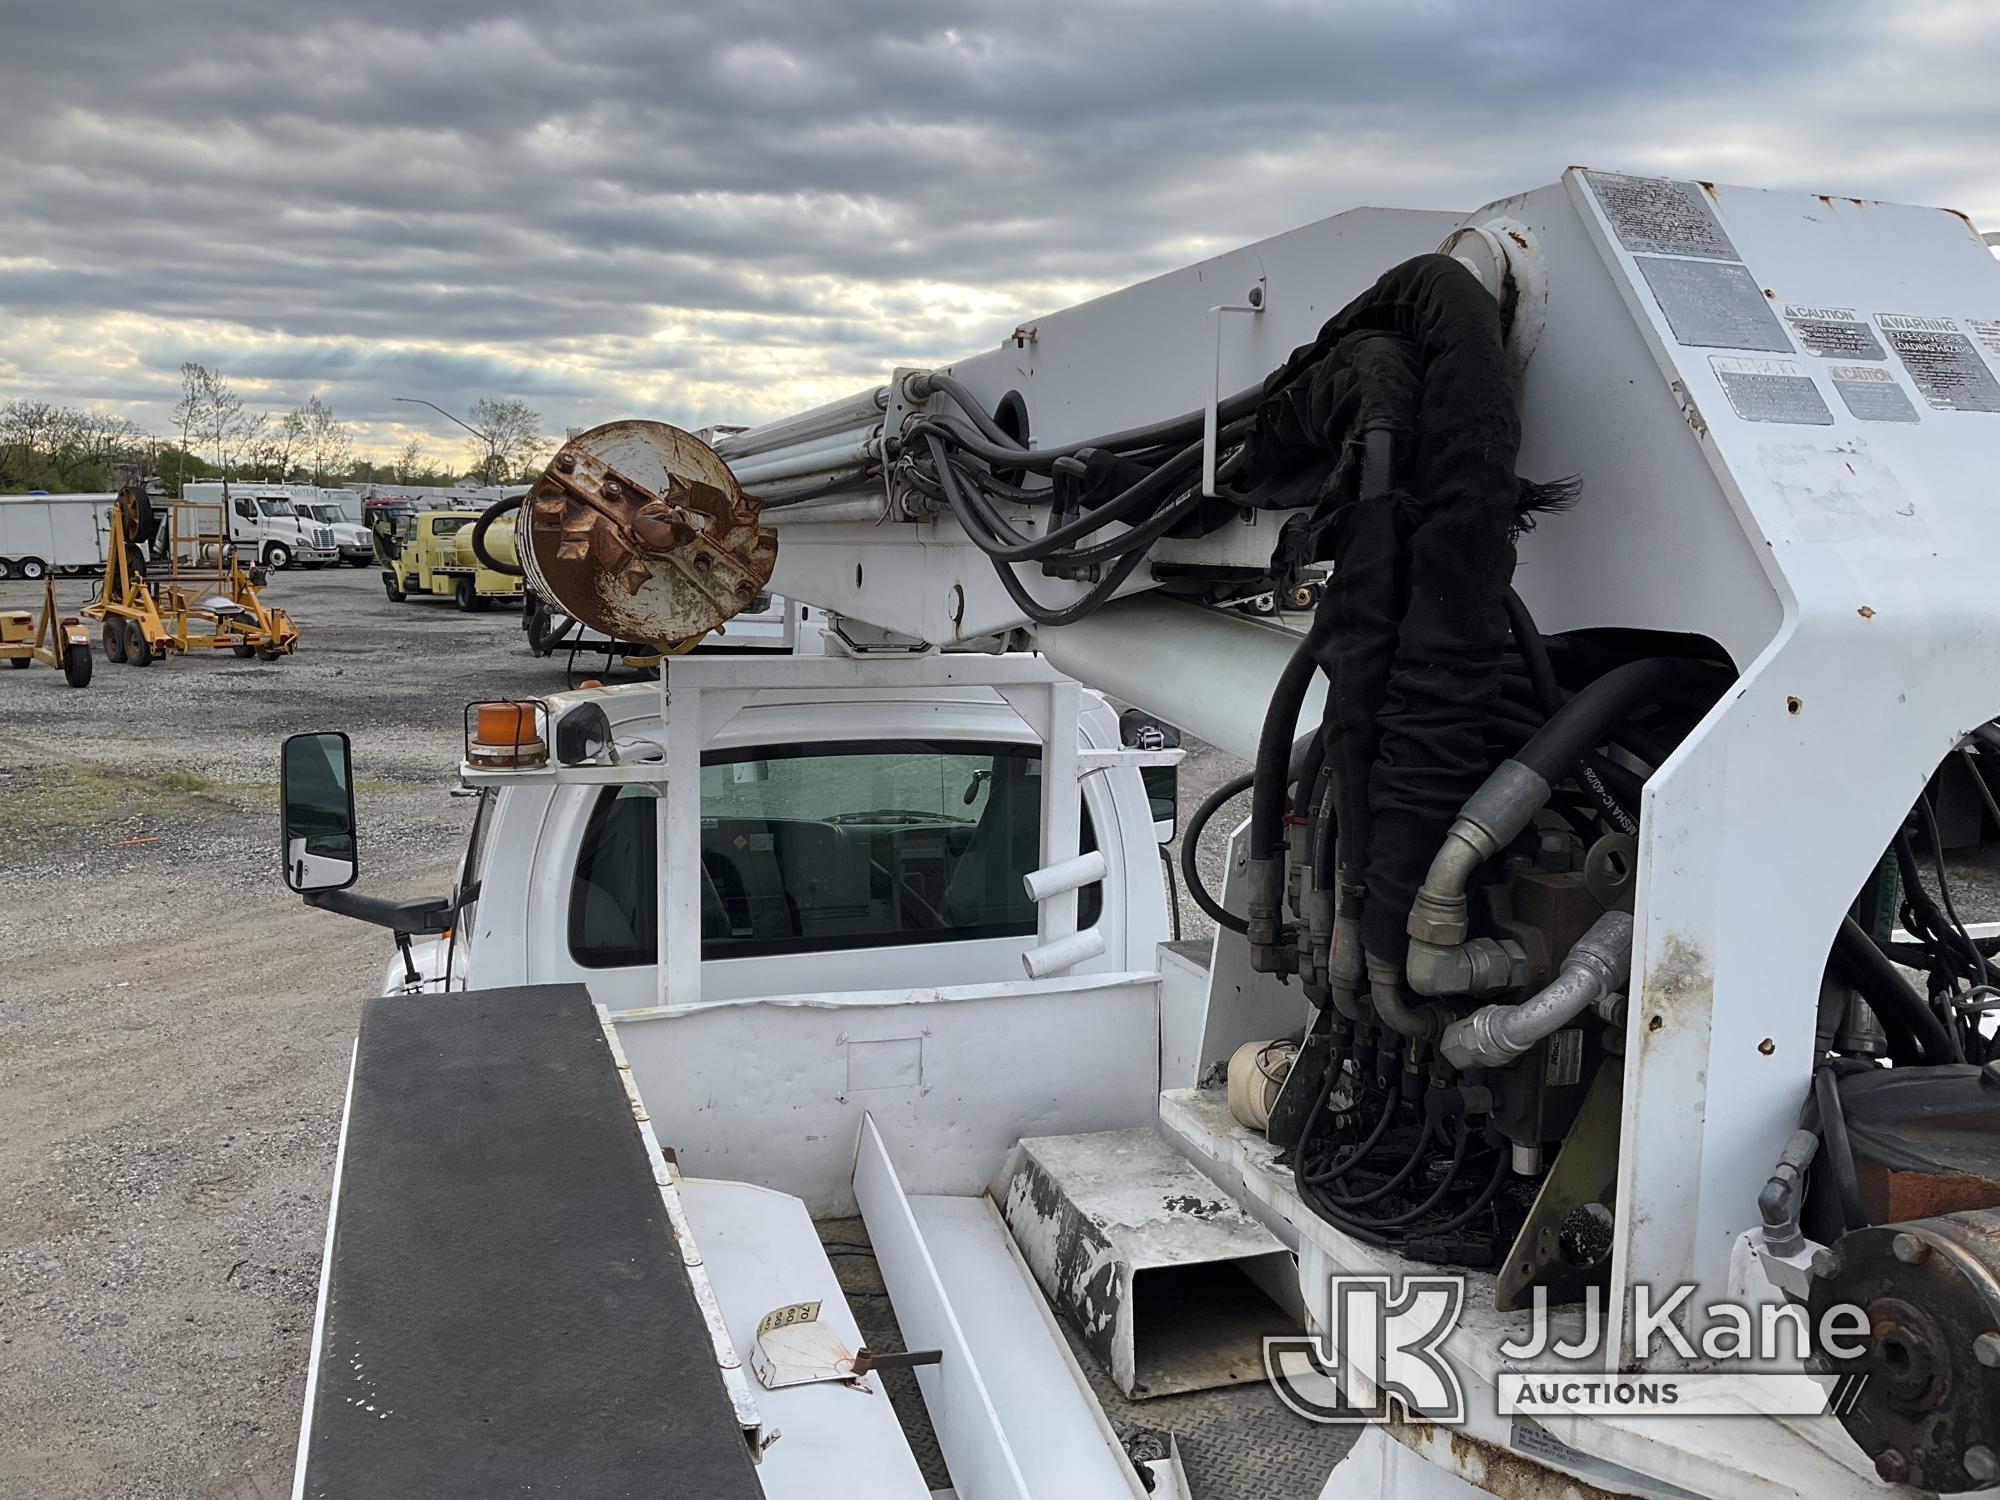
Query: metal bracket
(1254, 304)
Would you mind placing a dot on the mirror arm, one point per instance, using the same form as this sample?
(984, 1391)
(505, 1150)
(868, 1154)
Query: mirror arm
(432, 914)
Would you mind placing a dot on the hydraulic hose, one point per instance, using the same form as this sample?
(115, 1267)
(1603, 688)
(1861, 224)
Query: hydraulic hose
(1519, 787)
(1002, 448)
(487, 517)
(1882, 987)
(1274, 745)
(1191, 839)
(1587, 719)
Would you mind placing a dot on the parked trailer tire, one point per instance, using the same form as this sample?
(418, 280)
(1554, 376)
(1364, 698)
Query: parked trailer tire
(244, 650)
(76, 665)
(396, 595)
(32, 568)
(469, 598)
(18, 661)
(138, 650)
(114, 638)
(6, 568)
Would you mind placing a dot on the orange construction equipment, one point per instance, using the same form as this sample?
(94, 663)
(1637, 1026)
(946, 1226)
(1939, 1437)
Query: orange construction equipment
(205, 600)
(55, 640)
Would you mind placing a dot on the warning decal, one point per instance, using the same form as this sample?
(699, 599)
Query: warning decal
(1947, 370)
(1988, 334)
(1658, 216)
(1833, 332)
(1872, 394)
(1713, 304)
(1770, 390)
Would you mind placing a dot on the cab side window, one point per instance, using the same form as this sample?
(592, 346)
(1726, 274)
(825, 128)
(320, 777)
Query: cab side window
(809, 848)
(247, 509)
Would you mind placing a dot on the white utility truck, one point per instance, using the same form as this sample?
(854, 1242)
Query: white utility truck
(265, 524)
(40, 534)
(1589, 1089)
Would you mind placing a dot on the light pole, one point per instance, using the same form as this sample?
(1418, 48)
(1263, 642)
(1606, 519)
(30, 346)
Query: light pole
(491, 455)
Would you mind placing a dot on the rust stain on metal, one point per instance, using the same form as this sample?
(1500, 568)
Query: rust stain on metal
(641, 531)
(1495, 1469)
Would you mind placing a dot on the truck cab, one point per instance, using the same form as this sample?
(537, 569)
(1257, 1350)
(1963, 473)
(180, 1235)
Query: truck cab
(423, 553)
(850, 838)
(265, 525)
(350, 538)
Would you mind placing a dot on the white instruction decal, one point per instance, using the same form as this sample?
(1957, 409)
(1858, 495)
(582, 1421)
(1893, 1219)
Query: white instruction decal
(1948, 371)
(1833, 332)
(1770, 390)
(1988, 334)
(1659, 216)
(1872, 394)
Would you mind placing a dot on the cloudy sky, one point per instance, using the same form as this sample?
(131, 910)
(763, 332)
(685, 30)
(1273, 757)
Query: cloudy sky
(723, 212)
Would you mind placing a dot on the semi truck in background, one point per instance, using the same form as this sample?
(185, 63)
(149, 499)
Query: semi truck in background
(264, 522)
(41, 534)
(349, 535)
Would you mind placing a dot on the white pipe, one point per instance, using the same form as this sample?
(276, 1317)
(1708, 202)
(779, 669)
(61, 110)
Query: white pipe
(849, 411)
(1067, 875)
(789, 463)
(856, 504)
(1063, 953)
(1209, 672)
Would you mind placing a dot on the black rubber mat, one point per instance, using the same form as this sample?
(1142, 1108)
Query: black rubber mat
(508, 1314)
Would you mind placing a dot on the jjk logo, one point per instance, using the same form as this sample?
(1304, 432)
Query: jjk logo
(1379, 1356)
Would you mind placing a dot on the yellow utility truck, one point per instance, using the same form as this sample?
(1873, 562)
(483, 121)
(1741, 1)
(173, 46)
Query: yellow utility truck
(430, 552)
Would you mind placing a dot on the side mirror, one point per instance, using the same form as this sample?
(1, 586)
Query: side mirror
(316, 793)
(1139, 730)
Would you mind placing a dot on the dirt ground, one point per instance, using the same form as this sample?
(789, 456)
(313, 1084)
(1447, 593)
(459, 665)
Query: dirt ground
(175, 1026)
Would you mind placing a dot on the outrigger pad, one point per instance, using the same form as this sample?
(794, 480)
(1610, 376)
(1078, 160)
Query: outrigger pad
(506, 1312)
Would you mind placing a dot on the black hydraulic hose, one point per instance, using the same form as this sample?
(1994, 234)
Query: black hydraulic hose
(1614, 788)
(487, 517)
(1587, 719)
(1191, 839)
(1445, 1185)
(1274, 744)
(1839, 1153)
(1000, 447)
(1419, 1154)
(1883, 988)
(1358, 1154)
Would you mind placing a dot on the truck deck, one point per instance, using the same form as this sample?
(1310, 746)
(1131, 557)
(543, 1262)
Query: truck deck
(504, 1308)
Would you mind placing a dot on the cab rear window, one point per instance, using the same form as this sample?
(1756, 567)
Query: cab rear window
(809, 848)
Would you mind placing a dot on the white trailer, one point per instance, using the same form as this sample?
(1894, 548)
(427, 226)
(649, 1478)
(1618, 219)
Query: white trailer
(60, 533)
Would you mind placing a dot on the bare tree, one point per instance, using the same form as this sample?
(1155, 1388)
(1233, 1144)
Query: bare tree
(410, 462)
(327, 442)
(510, 437)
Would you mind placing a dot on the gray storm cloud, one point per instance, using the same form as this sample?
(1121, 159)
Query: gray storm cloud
(614, 209)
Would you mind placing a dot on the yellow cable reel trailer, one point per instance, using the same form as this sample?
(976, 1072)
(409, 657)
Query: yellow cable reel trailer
(191, 594)
(59, 641)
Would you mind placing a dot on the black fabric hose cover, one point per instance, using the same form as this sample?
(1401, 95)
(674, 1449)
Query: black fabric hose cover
(1421, 570)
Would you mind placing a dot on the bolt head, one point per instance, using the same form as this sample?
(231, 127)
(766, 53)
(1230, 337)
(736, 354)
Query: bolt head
(1892, 1466)
(613, 488)
(1986, 1349)
(1981, 1463)
(566, 462)
(1826, 1264)
(1910, 1250)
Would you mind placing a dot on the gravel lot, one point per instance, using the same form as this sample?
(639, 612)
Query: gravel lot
(175, 1026)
